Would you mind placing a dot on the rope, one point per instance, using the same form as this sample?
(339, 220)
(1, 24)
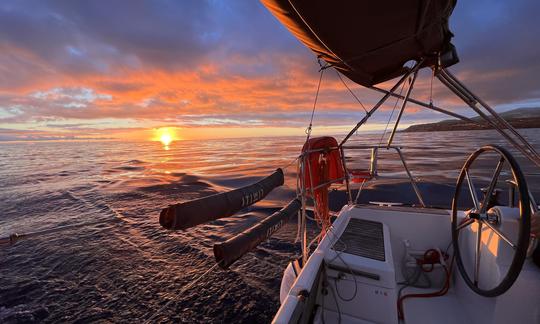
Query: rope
(360, 190)
(99, 204)
(290, 163)
(308, 130)
(441, 292)
(431, 89)
(308, 135)
(338, 256)
(186, 288)
(352, 93)
(392, 114)
(13, 238)
(132, 299)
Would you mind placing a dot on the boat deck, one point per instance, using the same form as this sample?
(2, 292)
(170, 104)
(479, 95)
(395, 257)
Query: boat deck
(363, 280)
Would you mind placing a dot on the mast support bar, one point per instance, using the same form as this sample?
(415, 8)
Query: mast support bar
(426, 105)
(414, 69)
(498, 123)
(403, 105)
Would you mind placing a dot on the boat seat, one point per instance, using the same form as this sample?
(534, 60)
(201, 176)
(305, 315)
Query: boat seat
(443, 309)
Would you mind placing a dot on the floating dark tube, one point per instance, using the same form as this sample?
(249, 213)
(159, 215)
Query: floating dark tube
(228, 252)
(199, 211)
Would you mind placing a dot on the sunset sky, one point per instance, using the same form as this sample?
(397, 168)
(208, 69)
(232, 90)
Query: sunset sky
(207, 69)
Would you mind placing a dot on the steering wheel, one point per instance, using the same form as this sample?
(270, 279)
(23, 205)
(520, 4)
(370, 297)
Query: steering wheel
(479, 215)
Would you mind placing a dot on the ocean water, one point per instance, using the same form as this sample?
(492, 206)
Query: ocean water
(126, 268)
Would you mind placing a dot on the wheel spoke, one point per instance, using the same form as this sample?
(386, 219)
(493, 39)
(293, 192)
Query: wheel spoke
(472, 190)
(492, 185)
(473, 265)
(500, 234)
(465, 224)
(532, 246)
(477, 254)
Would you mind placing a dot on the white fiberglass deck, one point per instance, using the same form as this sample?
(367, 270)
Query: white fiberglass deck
(346, 284)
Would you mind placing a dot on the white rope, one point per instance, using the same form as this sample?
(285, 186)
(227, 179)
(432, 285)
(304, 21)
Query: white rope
(117, 216)
(431, 89)
(392, 114)
(301, 231)
(308, 130)
(13, 238)
(352, 93)
(186, 288)
(290, 163)
(360, 191)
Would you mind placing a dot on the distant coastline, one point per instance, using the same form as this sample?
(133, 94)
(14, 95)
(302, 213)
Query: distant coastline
(518, 118)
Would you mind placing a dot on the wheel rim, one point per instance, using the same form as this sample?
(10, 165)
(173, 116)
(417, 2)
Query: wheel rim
(478, 216)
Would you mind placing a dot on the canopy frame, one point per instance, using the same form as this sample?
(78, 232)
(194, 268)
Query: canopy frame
(413, 70)
(488, 114)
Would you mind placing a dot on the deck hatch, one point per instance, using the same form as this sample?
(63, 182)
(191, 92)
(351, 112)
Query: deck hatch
(363, 238)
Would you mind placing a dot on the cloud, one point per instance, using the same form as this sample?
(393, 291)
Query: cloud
(499, 48)
(222, 63)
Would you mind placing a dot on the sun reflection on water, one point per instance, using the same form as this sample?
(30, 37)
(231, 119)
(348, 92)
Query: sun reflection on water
(166, 135)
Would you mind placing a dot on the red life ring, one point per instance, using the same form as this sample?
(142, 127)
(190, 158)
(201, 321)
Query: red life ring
(323, 165)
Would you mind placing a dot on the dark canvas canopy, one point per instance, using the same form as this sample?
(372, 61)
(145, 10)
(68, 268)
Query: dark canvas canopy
(370, 40)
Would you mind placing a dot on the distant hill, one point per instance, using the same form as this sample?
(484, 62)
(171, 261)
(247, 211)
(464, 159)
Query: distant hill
(518, 118)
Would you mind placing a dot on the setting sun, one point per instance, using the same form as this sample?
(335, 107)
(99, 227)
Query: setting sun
(166, 139)
(165, 135)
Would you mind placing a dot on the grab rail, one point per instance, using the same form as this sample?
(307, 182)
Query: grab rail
(374, 166)
(373, 169)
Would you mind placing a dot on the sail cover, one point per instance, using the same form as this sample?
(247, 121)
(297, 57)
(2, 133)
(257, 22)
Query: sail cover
(370, 41)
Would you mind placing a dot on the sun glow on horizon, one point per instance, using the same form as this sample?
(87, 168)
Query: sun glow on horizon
(165, 135)
(166, 139)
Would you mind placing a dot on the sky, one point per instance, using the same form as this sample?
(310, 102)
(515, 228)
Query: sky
(204, 69)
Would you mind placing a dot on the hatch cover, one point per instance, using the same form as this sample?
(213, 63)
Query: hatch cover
(362, 238)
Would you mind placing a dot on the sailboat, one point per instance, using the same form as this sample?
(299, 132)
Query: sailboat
(386, 262)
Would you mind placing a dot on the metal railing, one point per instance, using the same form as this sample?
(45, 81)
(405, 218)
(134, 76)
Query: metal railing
(373, 168)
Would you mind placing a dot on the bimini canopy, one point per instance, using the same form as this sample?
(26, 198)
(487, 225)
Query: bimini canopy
(370, 41)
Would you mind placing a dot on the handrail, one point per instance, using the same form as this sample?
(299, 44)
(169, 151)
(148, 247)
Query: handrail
(373, 171)
(373, 167)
